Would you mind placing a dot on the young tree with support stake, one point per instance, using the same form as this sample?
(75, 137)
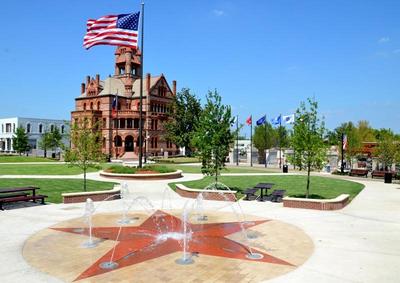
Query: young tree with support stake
(213, 135)
(86, 151)
(308, 139)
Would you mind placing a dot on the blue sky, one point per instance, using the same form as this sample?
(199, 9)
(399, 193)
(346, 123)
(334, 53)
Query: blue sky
(264, 57)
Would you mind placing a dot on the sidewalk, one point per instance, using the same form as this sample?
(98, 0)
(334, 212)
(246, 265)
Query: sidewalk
(360, 243)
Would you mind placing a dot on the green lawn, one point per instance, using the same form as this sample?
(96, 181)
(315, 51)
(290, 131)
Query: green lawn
(197, 169)
(320, 187)
(17, 158)
(53, 188)
(40, 169)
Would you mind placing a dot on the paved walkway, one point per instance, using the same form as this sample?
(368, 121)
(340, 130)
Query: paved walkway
(360, 243)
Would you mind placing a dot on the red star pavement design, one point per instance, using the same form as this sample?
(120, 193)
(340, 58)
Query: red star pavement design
(137, 244)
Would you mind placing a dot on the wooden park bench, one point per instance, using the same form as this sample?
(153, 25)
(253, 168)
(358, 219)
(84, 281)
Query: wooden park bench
(277, 195)
(250, 194)
(358, 172)
(10, 195)
(381, 173)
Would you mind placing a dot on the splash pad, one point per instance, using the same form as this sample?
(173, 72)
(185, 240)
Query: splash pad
(167, 245)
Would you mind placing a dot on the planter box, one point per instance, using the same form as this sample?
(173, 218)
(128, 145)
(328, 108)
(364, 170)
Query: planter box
(318, 204)
(155, 176)
(221, 195)
(95, 195)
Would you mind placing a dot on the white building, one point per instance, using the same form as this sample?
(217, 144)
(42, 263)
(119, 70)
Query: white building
(34, 127)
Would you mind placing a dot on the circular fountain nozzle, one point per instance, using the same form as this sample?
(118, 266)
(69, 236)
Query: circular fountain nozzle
(184, 261)
(89, 244)
(108, 265)
(254, 256)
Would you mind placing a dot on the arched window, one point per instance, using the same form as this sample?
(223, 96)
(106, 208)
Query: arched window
(91, 105)
(84, 106)
(28, 128)
(98, 105)
(104, 143)
(40, 128)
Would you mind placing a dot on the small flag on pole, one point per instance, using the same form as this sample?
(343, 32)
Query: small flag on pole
(344, 142)
(262, 120)
(276, 121)
(119, 30)
(288, 119)
(249, 121)
(114, 106)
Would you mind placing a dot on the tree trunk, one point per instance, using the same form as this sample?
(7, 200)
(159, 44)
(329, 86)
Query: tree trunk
(45, 153)
(308, 180)
(84, 179)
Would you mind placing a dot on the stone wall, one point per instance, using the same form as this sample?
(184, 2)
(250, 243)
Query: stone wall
(318, 204)
(220, 195)
(95, 196)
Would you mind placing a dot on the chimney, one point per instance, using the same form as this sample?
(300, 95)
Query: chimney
(148, 76)
(87, 80)
(83, 87)
(98, 79)
(174, 87)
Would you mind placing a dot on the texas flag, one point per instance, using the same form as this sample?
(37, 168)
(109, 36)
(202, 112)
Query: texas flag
(249, 121)
(114, 106)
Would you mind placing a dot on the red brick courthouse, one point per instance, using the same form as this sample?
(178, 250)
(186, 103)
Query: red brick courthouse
(120, 133)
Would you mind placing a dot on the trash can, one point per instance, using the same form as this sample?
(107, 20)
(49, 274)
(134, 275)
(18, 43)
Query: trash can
(388, 177)
(285, 168)
(328, 168)
(53, 155)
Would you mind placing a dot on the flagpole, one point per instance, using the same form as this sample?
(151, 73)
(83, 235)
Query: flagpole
(237, 140)
(116, 128)
(141, 87)
(342, 165)
(251, 141)
(265, 152)
(279, 134)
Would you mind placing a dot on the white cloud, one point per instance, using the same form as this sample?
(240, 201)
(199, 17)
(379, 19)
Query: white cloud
(384, 39)
(218, 13)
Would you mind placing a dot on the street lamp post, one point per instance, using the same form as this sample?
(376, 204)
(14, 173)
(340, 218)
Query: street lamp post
(145, 149)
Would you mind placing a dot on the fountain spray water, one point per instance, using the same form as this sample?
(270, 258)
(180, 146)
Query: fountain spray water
(200, 208)
(89, 210)
(239, 215)
(186, 257)
(126, 205)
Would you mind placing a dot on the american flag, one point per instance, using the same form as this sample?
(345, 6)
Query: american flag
(344, 142)
(120, 30)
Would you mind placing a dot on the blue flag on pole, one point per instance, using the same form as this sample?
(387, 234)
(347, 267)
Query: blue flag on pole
(276, 121)
(262, 120)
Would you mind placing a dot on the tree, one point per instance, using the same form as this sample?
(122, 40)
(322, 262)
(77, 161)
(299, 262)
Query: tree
(213, 135)
(86, 149)
(281, 137)
(365, 131)
(20, 141)
(354, 144)
(55, 139)
(307, 139)
(263, 139)
(45, 143)
(185, 113)
(387, 149)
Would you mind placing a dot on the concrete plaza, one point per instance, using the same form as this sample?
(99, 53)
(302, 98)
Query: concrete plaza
(360, 243)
